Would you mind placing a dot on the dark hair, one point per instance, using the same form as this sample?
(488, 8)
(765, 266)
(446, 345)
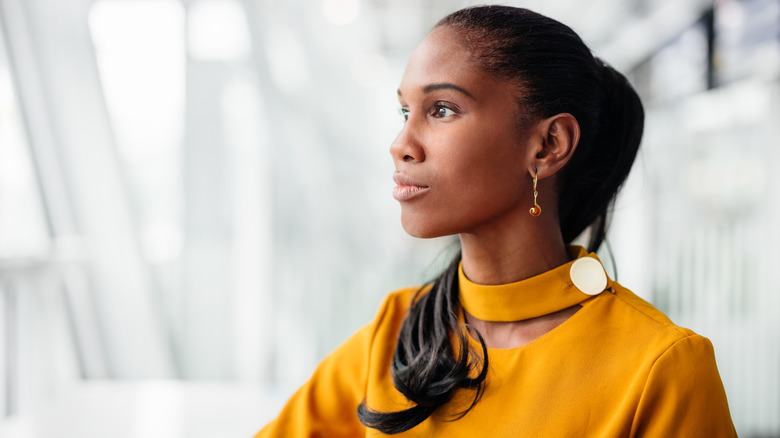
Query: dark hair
(554, 72)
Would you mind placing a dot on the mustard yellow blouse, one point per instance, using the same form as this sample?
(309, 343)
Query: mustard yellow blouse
(617, 368)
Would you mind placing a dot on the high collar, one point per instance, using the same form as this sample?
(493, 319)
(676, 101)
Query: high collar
(536, 296)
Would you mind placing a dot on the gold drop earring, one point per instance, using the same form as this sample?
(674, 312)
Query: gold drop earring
(535, 210)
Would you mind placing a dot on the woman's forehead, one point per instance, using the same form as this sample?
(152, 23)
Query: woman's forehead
(439, 58)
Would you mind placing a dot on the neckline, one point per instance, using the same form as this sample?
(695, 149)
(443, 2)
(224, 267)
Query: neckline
(540, 295)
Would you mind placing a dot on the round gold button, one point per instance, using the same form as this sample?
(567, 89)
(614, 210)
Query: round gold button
(588, 275)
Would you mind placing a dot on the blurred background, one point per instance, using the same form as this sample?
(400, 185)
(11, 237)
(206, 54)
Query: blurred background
(195, 197)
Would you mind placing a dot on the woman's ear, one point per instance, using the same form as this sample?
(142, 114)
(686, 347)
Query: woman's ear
(559, 137)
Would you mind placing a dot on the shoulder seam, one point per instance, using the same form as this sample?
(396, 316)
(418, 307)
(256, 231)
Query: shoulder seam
(672, 345)
(655, 362)
(675, 327)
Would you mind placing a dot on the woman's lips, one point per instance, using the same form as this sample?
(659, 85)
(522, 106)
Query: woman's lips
(405, 193)
(407, 188)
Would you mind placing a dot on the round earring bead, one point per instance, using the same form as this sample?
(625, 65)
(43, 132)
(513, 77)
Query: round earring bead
(535, 211)
(588, 275)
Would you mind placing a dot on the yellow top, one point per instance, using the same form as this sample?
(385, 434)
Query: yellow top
(617, 368)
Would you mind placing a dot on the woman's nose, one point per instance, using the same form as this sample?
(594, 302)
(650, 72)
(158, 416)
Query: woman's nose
(407, 146)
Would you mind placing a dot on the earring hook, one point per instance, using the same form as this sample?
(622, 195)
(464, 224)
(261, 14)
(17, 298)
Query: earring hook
(536, 210)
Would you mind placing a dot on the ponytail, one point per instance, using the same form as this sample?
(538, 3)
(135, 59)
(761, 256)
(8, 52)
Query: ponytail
(424, 368)
(598, 168)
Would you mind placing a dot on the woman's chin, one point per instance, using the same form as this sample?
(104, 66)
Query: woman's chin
(422, 229)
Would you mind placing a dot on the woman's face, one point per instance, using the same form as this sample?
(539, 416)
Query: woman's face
(461, 161)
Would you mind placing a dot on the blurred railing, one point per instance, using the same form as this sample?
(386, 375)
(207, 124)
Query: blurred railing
(23, 285)
(50, 334)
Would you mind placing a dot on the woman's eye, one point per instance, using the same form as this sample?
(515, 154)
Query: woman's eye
(404, 112)
(440, 111)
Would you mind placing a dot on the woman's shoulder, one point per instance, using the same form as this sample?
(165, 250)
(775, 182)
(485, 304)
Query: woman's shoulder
(395, 305)
(679, 369)
(664, 365)
(634, 306)
(621, 314)
(640, 305)
(401, 299)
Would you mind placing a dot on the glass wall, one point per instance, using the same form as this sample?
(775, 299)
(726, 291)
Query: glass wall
(713, 99)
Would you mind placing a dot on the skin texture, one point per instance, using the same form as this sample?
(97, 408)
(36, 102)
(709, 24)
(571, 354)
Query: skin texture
(469, 167)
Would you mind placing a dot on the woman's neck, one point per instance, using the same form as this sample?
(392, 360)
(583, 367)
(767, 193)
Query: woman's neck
(503, 255)
(514, 253)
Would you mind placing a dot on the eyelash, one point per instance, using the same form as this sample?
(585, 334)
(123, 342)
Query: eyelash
(404, 112)
(438, 106)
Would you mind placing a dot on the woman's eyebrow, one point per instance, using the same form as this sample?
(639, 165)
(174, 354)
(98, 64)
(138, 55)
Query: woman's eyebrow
(443, 86)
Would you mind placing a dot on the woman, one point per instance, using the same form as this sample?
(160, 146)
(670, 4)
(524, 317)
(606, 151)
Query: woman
(516, 139)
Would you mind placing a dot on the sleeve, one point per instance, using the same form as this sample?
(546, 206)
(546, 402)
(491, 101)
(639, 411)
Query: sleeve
(326, 405)
(684, 395)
